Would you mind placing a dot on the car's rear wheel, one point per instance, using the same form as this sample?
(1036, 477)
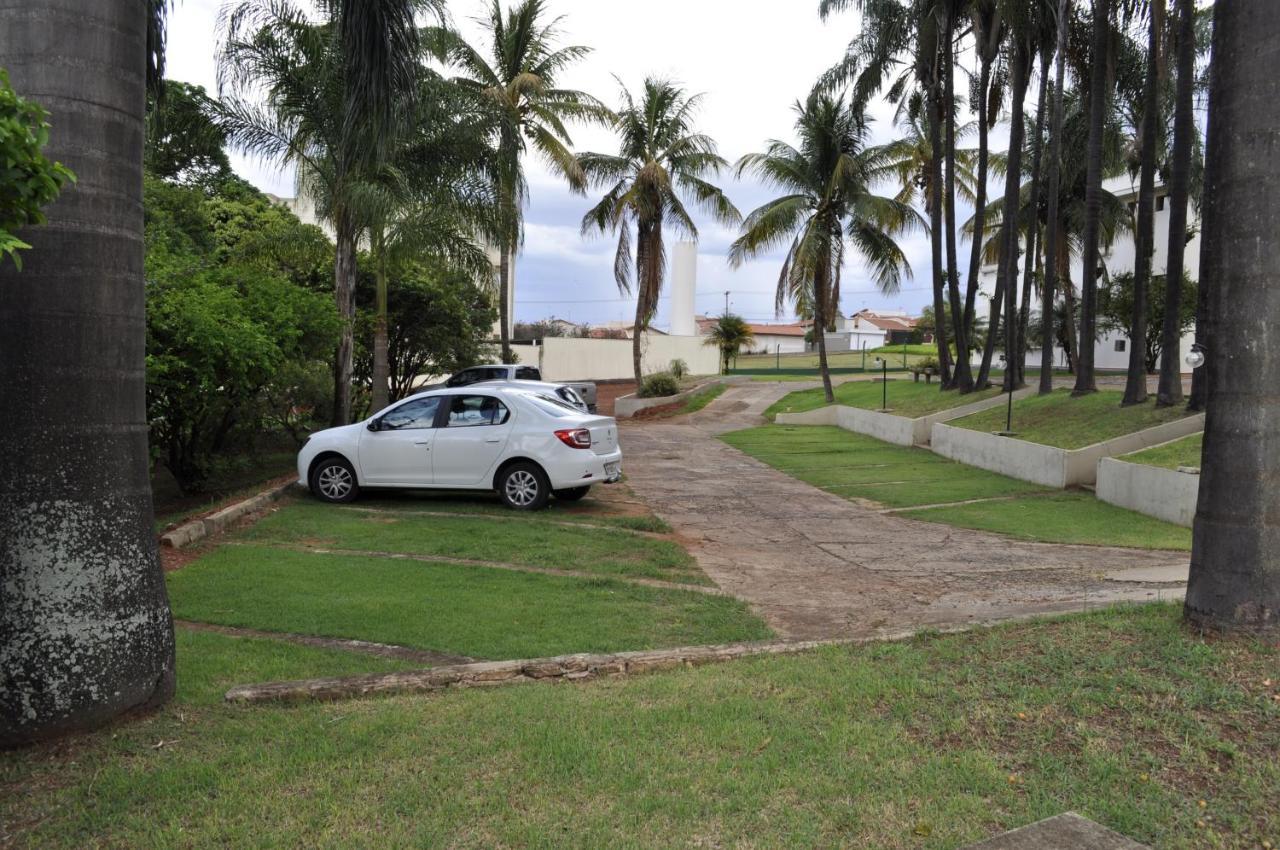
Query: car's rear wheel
(524, 487)
(572, 494)
(334, 480)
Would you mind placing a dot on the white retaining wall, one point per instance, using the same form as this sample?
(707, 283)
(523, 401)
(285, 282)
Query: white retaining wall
(1165, 494)
(898, 430)
(626, 406)
(575, 359)
(1047, 465)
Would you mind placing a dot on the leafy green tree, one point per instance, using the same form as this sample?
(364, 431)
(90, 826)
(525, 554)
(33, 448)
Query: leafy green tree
(730, 334)
(828, 206)
(515, 77)
(184, 143)
(1117, 302)
(29, 179)
(661, 161)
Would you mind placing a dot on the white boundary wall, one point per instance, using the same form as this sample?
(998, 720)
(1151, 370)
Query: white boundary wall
(885, 426)
(576, 359)
(1165, 494)
(1047, 465)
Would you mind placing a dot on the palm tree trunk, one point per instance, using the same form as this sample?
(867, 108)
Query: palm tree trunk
(344, 290)
(1022, 59)
(962, 377)
(381, 365)
(936, 234)
(1019, 362)
(980, 201)
(1169, 392)
(1234, 583)
(1052, 230)
(1085, 379)
(85, 630)
(1069, 299)
(821, 284)
(1135, 388)
(504, 300)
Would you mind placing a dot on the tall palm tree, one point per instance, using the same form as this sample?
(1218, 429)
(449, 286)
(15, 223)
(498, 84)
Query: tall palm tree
(828, 205)
(336, 94)
(1053, 235)
(85, 629)
(516, 81)
(730, 334)
(1234, 583)
(661, 160)
(1135, 390)
(1169, 391)
(1098, 107)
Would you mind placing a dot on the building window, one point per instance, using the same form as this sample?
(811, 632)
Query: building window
(1159, 202)
(1120, 344)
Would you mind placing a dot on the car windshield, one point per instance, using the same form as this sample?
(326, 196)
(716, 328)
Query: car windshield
(553, 406)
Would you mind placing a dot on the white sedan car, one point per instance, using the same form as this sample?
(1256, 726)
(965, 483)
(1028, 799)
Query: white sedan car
(524, 444)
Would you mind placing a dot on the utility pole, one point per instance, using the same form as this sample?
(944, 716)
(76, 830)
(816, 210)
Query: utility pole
(726, 302)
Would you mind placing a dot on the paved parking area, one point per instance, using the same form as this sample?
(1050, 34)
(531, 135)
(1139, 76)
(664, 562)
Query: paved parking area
(815, 565)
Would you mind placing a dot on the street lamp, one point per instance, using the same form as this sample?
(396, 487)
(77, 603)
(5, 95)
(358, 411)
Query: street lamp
(1008, 416)
(884, 382)
(1196, 357)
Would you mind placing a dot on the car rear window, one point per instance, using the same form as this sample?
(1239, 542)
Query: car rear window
(552, 406)
(528, 373)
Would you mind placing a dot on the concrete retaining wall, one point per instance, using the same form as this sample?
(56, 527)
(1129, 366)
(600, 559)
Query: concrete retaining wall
(898, 430)
(576, 359)
(626, 406)
(1047, 465)
(1165, 494)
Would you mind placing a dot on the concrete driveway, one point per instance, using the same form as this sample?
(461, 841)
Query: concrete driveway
(815, 565)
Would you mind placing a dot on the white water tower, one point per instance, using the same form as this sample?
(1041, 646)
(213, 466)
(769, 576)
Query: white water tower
(684, 283)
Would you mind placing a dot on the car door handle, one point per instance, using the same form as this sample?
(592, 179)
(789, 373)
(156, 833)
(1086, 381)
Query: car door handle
(428, 445)
(495, 440)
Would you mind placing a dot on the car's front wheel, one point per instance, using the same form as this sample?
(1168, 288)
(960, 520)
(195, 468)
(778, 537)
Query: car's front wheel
(334, 480)
(572, 494)
(524, 487)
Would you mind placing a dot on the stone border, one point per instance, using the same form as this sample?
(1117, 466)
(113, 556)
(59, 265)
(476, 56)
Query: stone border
(1167, 494)
(627, 406)
(1048, 465)
(198, 529)
(898, 430)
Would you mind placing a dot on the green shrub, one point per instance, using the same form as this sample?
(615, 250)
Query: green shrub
(678, 369)
(928, 363)
(659, 384)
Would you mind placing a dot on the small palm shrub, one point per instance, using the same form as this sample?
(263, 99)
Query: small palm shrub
(678, 369)
(659, 384)
(928, 363)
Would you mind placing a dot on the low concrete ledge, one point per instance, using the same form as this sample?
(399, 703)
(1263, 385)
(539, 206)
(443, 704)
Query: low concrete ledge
(1165, 494)
(198, 529)
(1067, 831)
(898, 430)
(627, 406)
(1048, 465)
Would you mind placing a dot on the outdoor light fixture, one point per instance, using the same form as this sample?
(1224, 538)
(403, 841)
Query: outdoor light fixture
(1008, 416)
(1196, 357)
(884, 382)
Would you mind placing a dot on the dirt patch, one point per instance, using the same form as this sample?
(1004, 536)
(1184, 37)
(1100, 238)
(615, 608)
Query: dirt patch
(608, 392)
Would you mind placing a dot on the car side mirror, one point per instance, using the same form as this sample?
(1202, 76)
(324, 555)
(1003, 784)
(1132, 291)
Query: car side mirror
(375, 424)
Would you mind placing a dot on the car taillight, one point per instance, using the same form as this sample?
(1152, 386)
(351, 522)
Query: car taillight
(575, 438)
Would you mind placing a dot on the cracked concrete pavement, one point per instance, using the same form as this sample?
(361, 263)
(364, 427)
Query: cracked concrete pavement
(817, 566)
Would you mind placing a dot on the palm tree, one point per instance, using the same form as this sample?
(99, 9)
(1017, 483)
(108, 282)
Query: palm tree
(1053, 235)
(337, 92)
(827, 179)
(1169, 391)
(661, 158)
(1085, 380)
(85, 629)
(517, 84)
(1234, 583)
(730, 334)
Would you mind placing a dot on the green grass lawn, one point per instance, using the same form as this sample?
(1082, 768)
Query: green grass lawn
(1122, 715)
(856, 466)
(1072, 423)
(906, 398)
(473, 611)
(1184, 452)
(529, 541)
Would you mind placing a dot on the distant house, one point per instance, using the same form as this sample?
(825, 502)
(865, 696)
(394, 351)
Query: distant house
(871, 329)
(769, 338)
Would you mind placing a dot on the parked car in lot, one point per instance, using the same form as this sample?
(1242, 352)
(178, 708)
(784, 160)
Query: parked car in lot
(525, 444)
(584, 391)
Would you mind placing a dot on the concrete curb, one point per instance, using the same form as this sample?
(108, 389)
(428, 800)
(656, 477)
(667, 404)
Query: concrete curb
(627, 406)
(198, 529)
(899, 430)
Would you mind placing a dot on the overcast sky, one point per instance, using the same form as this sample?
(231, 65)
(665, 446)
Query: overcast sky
(752, 59)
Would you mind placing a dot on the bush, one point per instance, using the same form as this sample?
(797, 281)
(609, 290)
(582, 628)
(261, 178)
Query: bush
(928, 363)
(658, 385)
(678, 369)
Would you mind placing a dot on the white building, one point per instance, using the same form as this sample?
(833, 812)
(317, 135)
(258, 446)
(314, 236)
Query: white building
(769, 338)
(870, 329)
(1111, 350)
